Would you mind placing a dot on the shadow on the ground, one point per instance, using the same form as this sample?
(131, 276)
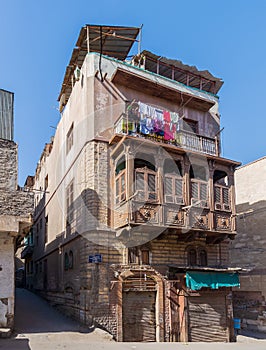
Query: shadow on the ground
(33, 314)
(14, 344)
(252, 334)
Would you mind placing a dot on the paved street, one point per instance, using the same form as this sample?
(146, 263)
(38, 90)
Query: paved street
(40, 327)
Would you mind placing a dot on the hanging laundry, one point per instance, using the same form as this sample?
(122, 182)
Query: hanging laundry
(149, 125)
(158, 114)
(143, 109)
(150, 111)
(131, 128)
(158, 127)
(174, 117)
(166, 116)
(167, 132)
(143, 126)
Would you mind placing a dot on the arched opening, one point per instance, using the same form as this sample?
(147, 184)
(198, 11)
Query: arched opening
(202, 257)
(145, 178)
(173, 181)
(120, 165)
(70, 260)
(199, 186)
(197, 256)
(221, 191)
(198, 172)
(66, 261)
(120, 180)
(192, 257)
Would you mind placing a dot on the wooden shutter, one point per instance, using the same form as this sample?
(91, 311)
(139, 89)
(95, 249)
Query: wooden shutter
(173, 189)
(207, 318)
(146, 184)
(120, 187)
(168, 189)
(222, 198)
(138, 314)
(199, 193)
(152, 195)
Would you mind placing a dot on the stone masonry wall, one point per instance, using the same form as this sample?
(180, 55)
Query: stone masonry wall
(8, 168)
(12, 201)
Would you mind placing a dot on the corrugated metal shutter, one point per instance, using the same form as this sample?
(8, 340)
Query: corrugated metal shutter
(207, 318)
(139, 316)
(6, 114)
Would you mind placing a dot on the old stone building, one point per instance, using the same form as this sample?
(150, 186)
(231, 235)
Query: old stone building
(135, 205)
(16, 207)
(248, 250)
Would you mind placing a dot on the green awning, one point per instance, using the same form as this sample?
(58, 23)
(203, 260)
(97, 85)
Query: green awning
(195, 280)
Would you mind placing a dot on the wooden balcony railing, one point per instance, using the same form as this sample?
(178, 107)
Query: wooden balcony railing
(183, 139)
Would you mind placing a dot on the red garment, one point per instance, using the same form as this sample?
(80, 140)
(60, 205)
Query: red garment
(167, 132)
(166, 116)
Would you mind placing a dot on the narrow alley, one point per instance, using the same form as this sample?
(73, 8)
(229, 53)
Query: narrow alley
(38, 326)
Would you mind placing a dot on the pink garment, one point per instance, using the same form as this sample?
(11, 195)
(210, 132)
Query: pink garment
(167, 132)
(166, 116)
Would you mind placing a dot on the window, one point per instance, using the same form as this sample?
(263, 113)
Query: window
(192, 257)
(66, 261)
(70, 258)
(203, 258)
(46, 230)
(198, 186)
(133, 255)
(190, 125)
(221, 191)
(197, 256)
(69, 139)
(146, 184)
(120, 187)
(145, 257)
(173, 182)
(199, 193)
(139, 255)
(70, 202)
(46, 182)
(173, 189)
(40, 266)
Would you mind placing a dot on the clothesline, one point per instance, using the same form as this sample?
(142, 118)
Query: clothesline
(149, 120)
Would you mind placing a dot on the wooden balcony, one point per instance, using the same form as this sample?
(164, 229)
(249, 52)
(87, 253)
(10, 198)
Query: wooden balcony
(197, 143)
(183, 139)
(201, 221)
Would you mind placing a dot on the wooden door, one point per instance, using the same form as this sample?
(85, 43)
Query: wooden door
(139, 323)
(207, 318)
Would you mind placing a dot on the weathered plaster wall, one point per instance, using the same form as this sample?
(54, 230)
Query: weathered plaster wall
(6, 280)
(249, 248)
(15, 210)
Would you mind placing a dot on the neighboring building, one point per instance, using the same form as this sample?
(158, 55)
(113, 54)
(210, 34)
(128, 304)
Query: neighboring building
(136, 207)
(249, 249)
(16, 207)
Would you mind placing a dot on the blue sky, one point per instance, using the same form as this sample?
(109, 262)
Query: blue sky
(226, 37)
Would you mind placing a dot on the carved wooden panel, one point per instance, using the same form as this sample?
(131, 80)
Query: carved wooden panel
(120, 216)
(147, 213)
(223, 222)
(199, 220)
(174, 216)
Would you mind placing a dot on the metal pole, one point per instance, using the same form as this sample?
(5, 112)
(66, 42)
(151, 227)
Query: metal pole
(88, 39)
(140, 38)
